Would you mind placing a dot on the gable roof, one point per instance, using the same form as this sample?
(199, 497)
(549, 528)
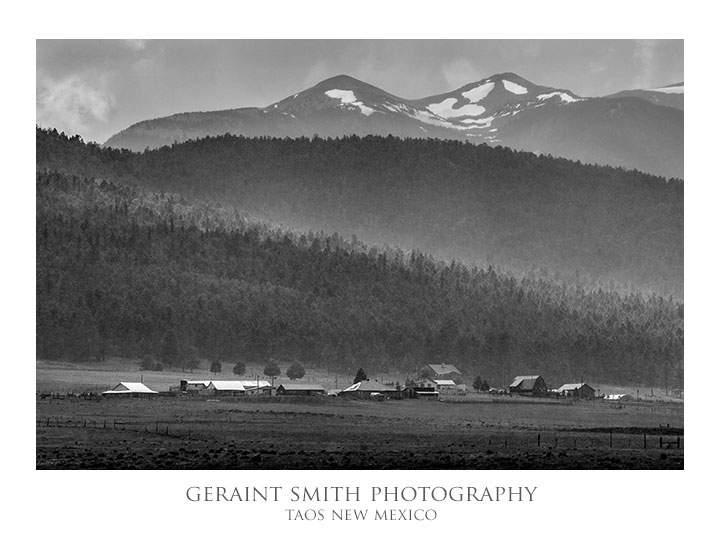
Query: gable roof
(573, 386)
(298, 386)
(524, 382)
(196, 382)
(131, 387)
(227, 386)
(443, 369)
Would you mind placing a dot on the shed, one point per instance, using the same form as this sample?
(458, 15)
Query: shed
(193, 385)
(130, 389)
(288, 388)
(579, 389)
(226, 387)
(533, 385)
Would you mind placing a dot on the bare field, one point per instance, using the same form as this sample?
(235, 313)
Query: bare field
(335, 433)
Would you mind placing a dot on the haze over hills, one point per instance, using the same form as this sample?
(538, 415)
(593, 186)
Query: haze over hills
(504, 109)
(671, 95)
(582, 224)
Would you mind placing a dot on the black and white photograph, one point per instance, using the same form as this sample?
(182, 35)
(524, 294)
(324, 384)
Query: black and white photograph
(360, 254)
(360, 268)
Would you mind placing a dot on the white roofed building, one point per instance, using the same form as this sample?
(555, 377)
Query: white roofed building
(130, 389)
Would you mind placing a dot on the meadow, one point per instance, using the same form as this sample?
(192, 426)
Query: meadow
(472, 432)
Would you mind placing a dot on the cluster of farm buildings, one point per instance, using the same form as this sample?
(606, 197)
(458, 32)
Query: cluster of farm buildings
(438, 380)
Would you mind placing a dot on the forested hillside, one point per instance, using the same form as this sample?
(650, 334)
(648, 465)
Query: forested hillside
(535, 215)
(124, 272)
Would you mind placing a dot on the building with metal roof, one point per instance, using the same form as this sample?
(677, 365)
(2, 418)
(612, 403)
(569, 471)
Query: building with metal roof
(297, 388)
(528, 385)
(132, 389)
(578, 389)
(226, 387)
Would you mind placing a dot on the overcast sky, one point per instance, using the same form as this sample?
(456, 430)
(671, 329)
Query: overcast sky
(96, 88)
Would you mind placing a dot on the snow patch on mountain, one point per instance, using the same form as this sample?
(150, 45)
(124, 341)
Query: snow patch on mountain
(348, 97)
(515, 88)
(445, 109)
(479, 92)
(564, 97)
(672, 89)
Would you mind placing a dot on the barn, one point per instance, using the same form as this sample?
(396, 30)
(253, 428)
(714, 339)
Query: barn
(130, 389)
(226, 388)
(581, 390)
(532, 385)
(289, 388)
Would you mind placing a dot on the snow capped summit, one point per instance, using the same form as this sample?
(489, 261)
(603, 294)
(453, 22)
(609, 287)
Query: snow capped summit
(501, 109)
(348, 97)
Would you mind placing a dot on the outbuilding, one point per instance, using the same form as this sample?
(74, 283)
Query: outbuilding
(289, 388)
(365, 388)
(226, 388)
(187, 386)
(130, 389)
(581, 390)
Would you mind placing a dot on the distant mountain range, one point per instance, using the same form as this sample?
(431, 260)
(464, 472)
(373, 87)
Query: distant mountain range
(636, 129)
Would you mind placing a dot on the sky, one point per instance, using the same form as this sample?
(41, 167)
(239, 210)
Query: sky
(96, 88)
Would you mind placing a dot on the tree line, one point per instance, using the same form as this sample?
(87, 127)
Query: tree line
(120, 268)
(535, 215)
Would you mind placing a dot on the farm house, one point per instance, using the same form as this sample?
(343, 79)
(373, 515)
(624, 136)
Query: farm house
(288, 388)
(531, 385)
(130, 389)
(442, 371)
(226, 387)
(579, 389)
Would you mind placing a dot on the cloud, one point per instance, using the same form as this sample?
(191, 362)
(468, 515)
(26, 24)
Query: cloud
(460, 72)
(645, 55)
(318, 72)
(72, 104)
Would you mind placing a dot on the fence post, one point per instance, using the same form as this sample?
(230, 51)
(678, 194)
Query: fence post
(538, 440)
(645, 440)
(610, 438)
(660, 442)
(156, 426)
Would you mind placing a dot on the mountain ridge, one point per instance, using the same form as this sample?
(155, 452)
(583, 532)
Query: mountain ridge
(492, 110)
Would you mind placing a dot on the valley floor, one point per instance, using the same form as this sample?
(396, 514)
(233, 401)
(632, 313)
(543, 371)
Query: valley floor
(187, 432)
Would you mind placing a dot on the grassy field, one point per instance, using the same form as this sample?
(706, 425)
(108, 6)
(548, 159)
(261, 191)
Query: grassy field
(473, 432)
(63, 377)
